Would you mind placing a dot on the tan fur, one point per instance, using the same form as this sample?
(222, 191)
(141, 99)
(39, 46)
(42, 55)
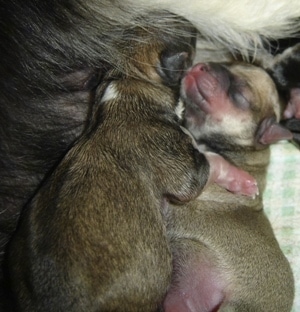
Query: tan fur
(230, 235)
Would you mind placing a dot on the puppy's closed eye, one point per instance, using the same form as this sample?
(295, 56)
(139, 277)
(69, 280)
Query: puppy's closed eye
(238, 93)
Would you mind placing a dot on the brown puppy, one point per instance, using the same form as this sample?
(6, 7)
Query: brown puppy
(93, 237)
(226, 257)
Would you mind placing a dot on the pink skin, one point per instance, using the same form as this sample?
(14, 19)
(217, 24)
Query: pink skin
(206, 293)
(207, 91)
(230, 177)
(293, 107)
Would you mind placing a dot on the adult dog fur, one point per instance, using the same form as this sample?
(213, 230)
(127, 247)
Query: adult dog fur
(226, 257)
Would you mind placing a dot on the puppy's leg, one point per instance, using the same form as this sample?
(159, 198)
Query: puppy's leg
(293, 106)
(230, 177)
(225, 174)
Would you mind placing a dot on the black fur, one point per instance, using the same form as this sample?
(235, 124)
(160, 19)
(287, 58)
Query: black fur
(286, 74)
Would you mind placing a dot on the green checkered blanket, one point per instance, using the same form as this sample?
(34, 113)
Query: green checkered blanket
(282, 204)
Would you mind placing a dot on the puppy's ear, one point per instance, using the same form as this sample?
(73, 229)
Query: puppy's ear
(173, 65)
(178, 55)
(271, 132)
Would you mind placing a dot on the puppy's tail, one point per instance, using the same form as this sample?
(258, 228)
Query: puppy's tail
(242, 25)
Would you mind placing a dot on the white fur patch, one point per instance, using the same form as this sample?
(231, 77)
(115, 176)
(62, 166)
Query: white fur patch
(239, 24)
(180, 109)
(111, 93)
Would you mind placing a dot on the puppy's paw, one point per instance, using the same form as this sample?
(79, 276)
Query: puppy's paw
(293, 107)
(240, 182)
(231, 178)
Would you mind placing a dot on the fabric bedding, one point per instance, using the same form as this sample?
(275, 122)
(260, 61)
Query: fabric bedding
(282, 204)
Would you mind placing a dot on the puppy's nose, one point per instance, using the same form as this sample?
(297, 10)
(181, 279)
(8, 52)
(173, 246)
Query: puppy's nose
(202, 67)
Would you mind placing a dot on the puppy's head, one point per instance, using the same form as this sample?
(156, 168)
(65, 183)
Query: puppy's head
(151, 70)
(231, 106)
(285, 68)
(158, 56)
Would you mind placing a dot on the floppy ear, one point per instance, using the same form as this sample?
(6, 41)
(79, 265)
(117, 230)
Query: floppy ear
(271, 131)
(173, 65)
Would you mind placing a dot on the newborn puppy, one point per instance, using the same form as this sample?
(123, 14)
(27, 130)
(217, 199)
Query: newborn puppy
(93, 237)
(285, 70)
(226, 257)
